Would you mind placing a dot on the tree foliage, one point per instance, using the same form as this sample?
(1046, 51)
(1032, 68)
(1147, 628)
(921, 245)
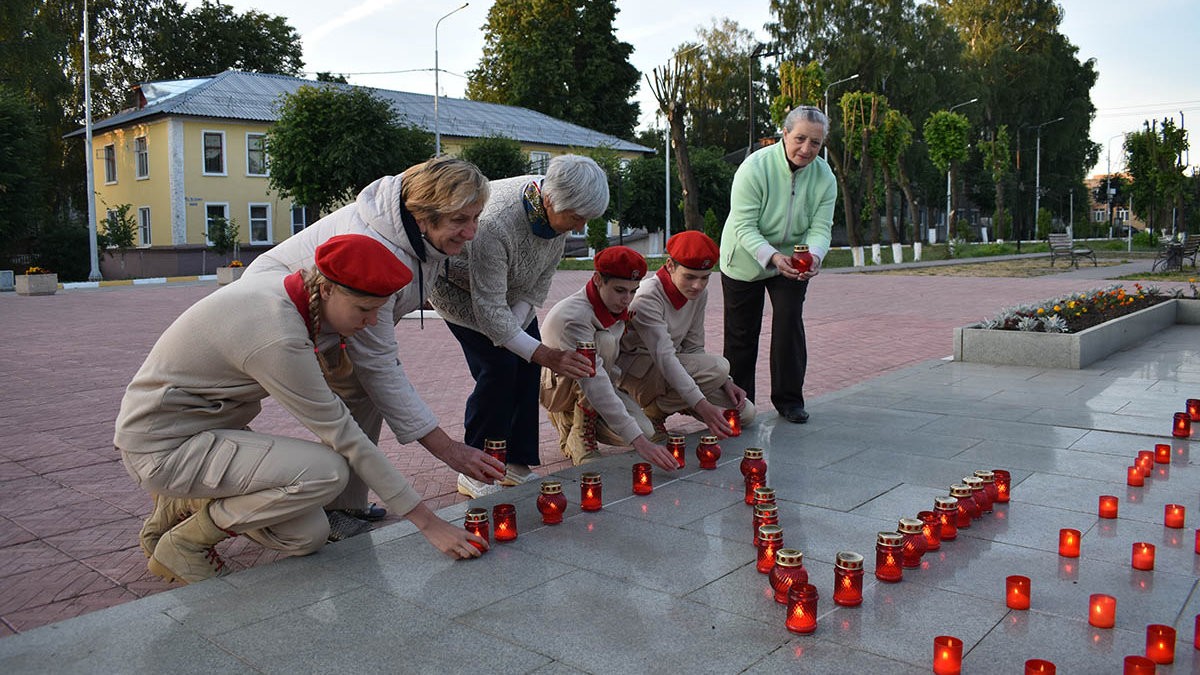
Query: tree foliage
(331, 142)
(798, 85)
(643, 202)
(670, 88)
(718, 112)
(1155, 163)
(947, 142)
(497, 157)
(996, 153)
(23, 179)
(119, 233)
(559, 58)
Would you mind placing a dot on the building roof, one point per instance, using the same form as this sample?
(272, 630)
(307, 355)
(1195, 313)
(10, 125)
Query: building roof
(238, 95)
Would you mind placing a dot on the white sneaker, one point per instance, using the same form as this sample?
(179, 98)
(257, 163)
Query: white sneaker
(515, 474)
(475, 489)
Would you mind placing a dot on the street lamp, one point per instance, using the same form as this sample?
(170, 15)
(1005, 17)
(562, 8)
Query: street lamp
(1037, 174)
(759, 50)
(1108, 193)
(826, 111)
(93, 246)
(437, 129)
(948, 167)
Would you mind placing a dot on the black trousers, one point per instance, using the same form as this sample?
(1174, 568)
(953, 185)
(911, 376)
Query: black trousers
(504, 404)
(743, 325)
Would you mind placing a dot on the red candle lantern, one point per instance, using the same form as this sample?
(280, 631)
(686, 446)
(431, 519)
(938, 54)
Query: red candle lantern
(802, 259)
(477, 524)
(1134, 477)
(788, 572)
(1174, 515)
(764, 514)
(764, 495)
(1016, 593)
(1143, 556)
(591, 491)
(588, 350)
(1198, 541)
(1102, 611)
(1196, 632)
(1162, 453)
(770, 540)
(753, 463)
(947, 655)
(946, 509)
(931, 529)
(677, 444)
(848, 579)
(888, 556)
(505, 516)
(1145, 461)
(752, 484)
(802, 608)
(1160, 644)
(989, 485)
(966, 505)
(552, 503)
(498, 449)
(1138, 665)
(734, 419)
(1182, 428)
(1193, 409)
(1040, 667)
(1068, 543)
(708, 452)
(913, 546)
(1108, 506)
(1003, 485)
(643, 479)
(982, 502)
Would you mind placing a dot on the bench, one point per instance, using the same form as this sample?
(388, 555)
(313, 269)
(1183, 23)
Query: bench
(1190, 246)
(1062, 246)
(1172, 253)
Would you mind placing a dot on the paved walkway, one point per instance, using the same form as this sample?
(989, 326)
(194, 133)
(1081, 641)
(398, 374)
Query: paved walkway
(69, 514)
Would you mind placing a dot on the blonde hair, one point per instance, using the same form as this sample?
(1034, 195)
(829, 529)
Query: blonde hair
(441, 186)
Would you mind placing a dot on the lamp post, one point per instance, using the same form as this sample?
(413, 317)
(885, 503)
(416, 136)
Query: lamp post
(93, 247)
(759, 50)
(437, 129)
(949, 165)
(1108, 193)
(826, 110)
(1037, 174)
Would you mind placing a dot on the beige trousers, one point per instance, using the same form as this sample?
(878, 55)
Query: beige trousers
(270, 488)
(564, 421)
(369, 419)
(710, 373)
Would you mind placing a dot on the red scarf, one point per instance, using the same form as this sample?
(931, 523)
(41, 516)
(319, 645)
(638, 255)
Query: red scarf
(604, 316)
(294, 285)
(678, 300)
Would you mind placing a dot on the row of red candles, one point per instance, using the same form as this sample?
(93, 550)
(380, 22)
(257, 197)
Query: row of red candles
(1181, 427)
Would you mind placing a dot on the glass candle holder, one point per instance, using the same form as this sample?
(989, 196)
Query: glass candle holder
(1102, 610)
(989, 484)
(802, 259)
(677, 444)
(1068, 543)
(1174, 515)
(477, 524)
(552, 503)
(1198, 548)
(643, 479)
(764, 514)
(848, 579)
(1107, 507)
(497, 449)
(787, 572)
(753, 482)
(947, 655)
(770, 540)
(1134, 477)
(734, 419)
(1160, 644)
(1162, 453)
(1145, 461)
(1138, 665)
(591, 491)
(946, 509)
(1040, 667)
(980, 495)
(588, 350)
(1003, 485)
(1196, 632)
(1143, 556)
(802, 608)
(913, 546)
(753, 463)
(966, 505)
(708, 452)
(1182, 428)
(505, 517)
(764, 495)
(1193, 408)
(931, 529)
(1016, 592)
(888, 556)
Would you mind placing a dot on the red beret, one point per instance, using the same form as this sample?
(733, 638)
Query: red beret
(362, 264)
(621, 262)
(693, 249)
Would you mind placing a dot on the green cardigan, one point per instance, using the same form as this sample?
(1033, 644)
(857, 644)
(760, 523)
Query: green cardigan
(772, 209)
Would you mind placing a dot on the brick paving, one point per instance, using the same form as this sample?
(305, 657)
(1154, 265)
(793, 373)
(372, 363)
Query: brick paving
(69, 514)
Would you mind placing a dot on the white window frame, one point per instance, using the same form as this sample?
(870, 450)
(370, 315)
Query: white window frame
(207, 205)
(1099, 215)
(539, 161)
(250, 219)
(266, 168)
(144, 225)
(303, 218)
(141, 154)
(204, 149)
(110, 164)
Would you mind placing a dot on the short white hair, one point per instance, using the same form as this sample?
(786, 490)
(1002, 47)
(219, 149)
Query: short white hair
(576, 183)
(806, 113)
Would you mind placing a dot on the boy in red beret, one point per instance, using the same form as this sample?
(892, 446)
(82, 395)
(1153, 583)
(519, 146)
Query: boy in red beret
(592, 410)
(663, 362)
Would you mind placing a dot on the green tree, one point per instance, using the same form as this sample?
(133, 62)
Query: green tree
(719, 89)
(670, 88)
(643, 201)
(996, 153)
(1155, 163)
(946, 139)
(497, 157)
(23, 181)
(223, 235)
(331, 142)
(559, 58)
(889, 144)
(119, 234)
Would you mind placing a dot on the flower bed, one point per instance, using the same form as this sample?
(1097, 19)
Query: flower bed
(1076, 312)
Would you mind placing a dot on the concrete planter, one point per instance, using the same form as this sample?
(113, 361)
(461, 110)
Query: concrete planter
(228, 275)
(36, 284)
(1070, 350)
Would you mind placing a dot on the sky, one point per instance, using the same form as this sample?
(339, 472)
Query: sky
(1144, 51)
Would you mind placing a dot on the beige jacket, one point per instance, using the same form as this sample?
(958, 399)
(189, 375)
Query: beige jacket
(658, 331)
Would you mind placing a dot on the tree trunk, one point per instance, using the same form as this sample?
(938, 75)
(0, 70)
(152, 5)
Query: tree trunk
(848, 209)
(913, 206)
(951, 217)
(692, 219)
(889, 210)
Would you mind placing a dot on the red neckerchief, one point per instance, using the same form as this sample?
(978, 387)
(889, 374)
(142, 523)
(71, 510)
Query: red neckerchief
(678, 300)
(294, 285)
(604, 316)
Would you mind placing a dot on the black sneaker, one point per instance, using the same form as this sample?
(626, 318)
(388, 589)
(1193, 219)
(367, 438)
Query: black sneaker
(342, 526)
(795, 415)
(372, 513)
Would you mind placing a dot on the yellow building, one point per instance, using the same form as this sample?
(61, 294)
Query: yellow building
(193, 151)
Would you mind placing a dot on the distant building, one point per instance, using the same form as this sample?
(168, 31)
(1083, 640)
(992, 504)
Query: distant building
(1098, 214)
(193, 150)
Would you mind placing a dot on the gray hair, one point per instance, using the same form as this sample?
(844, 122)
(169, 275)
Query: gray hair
(576, 183)
(806, 113)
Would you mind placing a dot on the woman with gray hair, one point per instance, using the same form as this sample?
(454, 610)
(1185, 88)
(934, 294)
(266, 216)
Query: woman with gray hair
(489, 297)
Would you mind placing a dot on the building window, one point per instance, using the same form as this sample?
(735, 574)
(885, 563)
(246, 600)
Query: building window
(212, 214)
(143, 157)
(538, 161)
(1099, 215)
(110, 164)
(260, 223)
(144, 224)
(214, 153)
(299, 219)
(256, 154)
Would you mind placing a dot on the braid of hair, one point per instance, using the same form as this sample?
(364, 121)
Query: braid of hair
(312, 283)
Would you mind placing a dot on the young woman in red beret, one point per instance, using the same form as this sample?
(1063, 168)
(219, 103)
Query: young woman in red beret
(182, 428)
